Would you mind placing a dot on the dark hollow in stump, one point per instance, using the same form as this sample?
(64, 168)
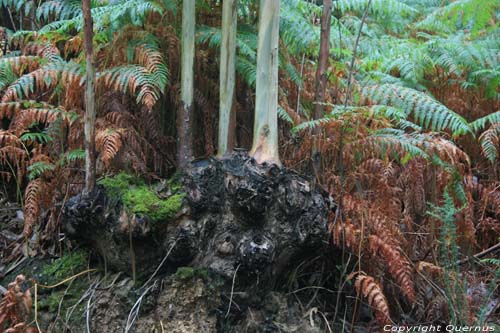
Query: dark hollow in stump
(237, 215)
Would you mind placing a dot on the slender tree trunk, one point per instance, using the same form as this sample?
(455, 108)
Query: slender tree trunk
(184, 137)
(321, 78)
(90, 113)
(227, 76)
(265, 134)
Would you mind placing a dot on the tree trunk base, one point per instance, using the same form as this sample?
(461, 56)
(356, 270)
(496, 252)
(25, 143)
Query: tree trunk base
(242, 228)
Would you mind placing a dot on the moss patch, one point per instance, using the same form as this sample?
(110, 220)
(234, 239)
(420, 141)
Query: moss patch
(64, 267)
(184, 273)
(143, 201)
(140, 199)
(120, 184)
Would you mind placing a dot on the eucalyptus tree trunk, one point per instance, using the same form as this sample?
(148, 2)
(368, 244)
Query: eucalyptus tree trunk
(90, 113)
(184, 136)
(227, 76)
(321, 78)
(265, 134)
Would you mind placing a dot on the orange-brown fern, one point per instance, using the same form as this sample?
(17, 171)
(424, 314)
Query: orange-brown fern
(372, 292)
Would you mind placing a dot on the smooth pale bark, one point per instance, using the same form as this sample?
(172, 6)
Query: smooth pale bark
(90, 113)
(265, 134)
(321, 78)
(227, 76)
(184, 137)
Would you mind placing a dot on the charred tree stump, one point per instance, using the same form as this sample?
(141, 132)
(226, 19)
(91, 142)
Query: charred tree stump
(237, 215)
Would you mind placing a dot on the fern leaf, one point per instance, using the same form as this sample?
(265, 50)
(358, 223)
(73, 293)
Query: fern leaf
(427, 112)
(396, 264)
(108, 144)
(371, 290)
(32, 203)
(481, 123)
(490, 142)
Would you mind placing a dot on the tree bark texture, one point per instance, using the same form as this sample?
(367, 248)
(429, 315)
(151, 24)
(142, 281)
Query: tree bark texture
(227, 76)
(321, 79)
(90, 112)
(265, 135)
(184, 118)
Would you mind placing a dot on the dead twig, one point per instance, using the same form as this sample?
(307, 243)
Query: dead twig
(480, 254)
(232, 292)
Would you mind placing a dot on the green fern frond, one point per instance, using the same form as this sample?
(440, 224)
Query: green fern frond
(427, 112)
(7, 74)
(17, 65)
(378, 7)
(37, 169)
(148, 54)
(59, 10)
(309, 125)
(36, 137)
(297, 30)
(481, 123)
(390, 141)
(44, 79)
(473, 14)
(72, 156)
(247, 70)
(282, 114)
(492, 79)
(134, 80)
(490, 142)
(112, 16)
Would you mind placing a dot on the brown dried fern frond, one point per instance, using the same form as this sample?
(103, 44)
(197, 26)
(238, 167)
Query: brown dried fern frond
(121, 119)
(10, 109)
(413, 181)
(429, 268)
(7, 138)
(397, 265)
(347, 235)
(40, 81)
(73, 45)
(21, 64)
(149, 58)
(27, 117)
(15, 307)
(109, 141)
(14, 159)
(33, 197)
(40, 157)
(45, 50)
(373, 293)
(490, 142)
(449, 152)
(131, 79)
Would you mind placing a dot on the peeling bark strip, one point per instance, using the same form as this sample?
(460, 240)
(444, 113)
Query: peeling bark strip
(89, 121)
(265, 135)
(185, 145)
(227, 76)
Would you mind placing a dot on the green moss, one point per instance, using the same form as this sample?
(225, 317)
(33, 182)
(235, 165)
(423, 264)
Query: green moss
(139, 199)
(51, 303)
(184, 273)
(120, 184)
(143, 201)
(64, 267)
(175, 182)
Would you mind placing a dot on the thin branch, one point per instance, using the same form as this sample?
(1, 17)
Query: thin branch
(480, 254)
